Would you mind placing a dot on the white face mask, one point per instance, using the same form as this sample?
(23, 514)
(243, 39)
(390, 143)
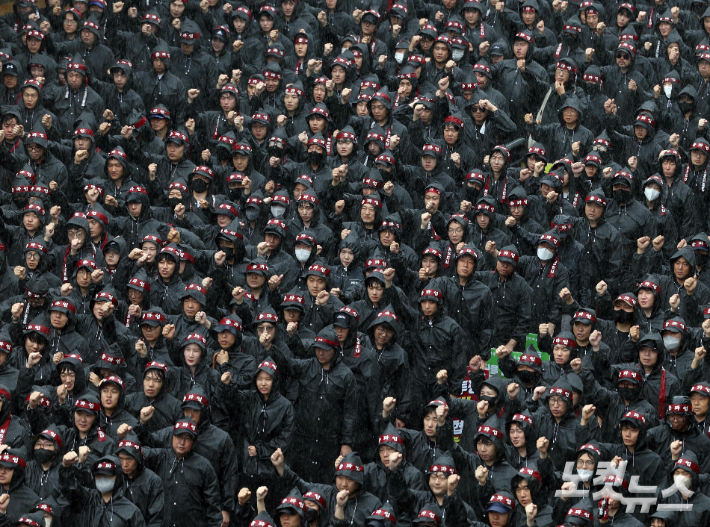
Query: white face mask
(545, 254)
(585, 475)
(399, 57)
(667, 90)
(682, 482)
(651, 194)
(277, 211)
(457, 55)
(48, 522)
(671, 343)
(104, 485)
(302, 255)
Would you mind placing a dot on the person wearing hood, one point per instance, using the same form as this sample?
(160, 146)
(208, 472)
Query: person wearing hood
(521, 443)
(160, 86)
(120, 98)
(600, 241)
(333, 402)
(679, 341)
(155, 382)
(483, 218)
(34, 337)
(435, 343)
(266, 424)
(106, 501)
(42, 469)
(627, 396)
(357, 355)
(117, 180)
(521, 84)
(191, 65)
(211, 442)
(699, 399)
(411, 503)
(349, 477)
(563, 137)
(312, 217)
(619, 76)
(678, 430)
(497, 400)
(188, 478)
(168, 286)
(64, 337)
(70, 103)
(232, 356)
(31, 109)
(378, 474)
(511, 295)
(665, 221)
(272, 249)
(632, 220)
(634, 450)
(684, 283)
(685, 474)
(557, 421)
(528, 488)
(214, 124)
(12, 479)
(112, 393)
(527, 371)
(659, 385)
(140, 484)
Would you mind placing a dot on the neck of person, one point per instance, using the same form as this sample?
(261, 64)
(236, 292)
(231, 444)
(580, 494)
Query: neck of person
(571, 126)
(193, 369)
(648, 369)
(109, 411)
(160, 134)
(46, 466)
(84, 290)
(648, 311)
(522, 451)
(593, 223)
(82, 434)
(314, 167)
(199, 195)
(630, 448)
(256, 291)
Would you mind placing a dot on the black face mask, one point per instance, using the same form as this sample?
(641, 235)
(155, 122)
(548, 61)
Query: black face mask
(528, 376)
(229, 251)
(235, 194)
(315, 158)
(488, 398)
(312, 514)
(386, 176)
(628, 394)
(590, 89)
(174, 202)
(42, 455)
(472, 194)
(275, 151)
(622, 196)
(570, 41)
(198, 185)
(21, 203)
(686, 107)
(622, 317)
(701, 259)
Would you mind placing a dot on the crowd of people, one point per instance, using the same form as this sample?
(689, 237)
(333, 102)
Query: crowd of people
(277, 264)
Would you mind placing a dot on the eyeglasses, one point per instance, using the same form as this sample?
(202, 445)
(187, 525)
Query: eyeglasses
(33, 148)
(622, 55)
(261, 329)
(439, 476)
(557, 401)
(44, 444)
(589, 463)
(32, 255)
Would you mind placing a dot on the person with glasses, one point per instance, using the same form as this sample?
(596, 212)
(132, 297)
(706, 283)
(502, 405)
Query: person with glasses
(556, 421)
(623, 82)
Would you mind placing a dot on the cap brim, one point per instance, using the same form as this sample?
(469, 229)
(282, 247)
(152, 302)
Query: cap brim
(497, 507)
(322, 345)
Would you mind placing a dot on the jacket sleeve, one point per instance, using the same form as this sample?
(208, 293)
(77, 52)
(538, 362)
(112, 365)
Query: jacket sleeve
(350, 410)
(154, 514)
(211, 496)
